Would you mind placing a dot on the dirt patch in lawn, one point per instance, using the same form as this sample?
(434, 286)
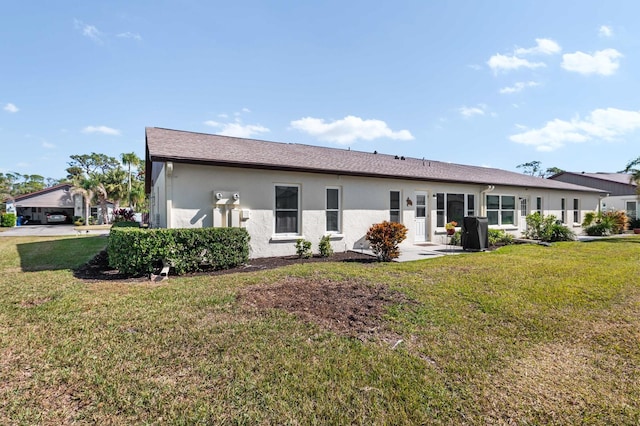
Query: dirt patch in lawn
(349, 307)
(98, 268)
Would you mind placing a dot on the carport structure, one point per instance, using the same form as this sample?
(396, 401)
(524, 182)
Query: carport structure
(36, 205)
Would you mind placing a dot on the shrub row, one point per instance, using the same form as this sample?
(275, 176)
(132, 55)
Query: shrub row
(141, 251)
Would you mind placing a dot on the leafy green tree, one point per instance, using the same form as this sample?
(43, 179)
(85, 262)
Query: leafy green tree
(534, 168)
(91, 164)
(531, 168)
(553, 171)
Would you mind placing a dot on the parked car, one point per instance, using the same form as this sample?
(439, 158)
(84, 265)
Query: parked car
(57, 217)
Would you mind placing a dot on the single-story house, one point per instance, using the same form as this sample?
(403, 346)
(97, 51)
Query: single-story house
(59, 198)
(281, 192)
(622, 192)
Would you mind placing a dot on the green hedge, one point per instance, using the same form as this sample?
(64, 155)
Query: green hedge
(125, 224)
(8, 220)
(141, 251)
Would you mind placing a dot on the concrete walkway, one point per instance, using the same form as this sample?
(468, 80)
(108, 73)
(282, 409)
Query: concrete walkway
(409, 253)
(50, 230)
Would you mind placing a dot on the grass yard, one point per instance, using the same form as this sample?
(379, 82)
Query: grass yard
(521, 335)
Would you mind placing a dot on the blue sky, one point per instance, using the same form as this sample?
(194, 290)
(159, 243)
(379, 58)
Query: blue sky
(489, 83)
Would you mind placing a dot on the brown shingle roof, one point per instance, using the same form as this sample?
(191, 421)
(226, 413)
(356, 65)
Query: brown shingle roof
(622, 178)
(200, 148)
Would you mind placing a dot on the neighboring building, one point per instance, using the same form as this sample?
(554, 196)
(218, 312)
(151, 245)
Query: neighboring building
(621, 191)
(281, 192)
(58, 198)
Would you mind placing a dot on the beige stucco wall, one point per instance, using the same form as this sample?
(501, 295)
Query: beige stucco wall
(183, 196)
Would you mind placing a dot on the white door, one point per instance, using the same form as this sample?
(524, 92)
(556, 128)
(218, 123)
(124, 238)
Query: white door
(524, 212)
(421, 217)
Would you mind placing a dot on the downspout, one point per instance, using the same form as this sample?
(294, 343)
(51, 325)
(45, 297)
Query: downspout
(483, 199)
(168, 193)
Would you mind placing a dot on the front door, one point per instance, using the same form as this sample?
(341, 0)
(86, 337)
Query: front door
(421, 217)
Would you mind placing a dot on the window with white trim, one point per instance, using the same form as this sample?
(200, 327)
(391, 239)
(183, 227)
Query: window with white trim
(332, 196)
(501, 209)
(538, 208)
(287, 210)
(576, 210)
(563, 210)
(394, 206)
(632, 210)
(471, 205)
(453, 207)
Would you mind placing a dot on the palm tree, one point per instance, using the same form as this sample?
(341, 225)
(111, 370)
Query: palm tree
(130, 159)
(86, 188)
(633, 168)
(116, 187)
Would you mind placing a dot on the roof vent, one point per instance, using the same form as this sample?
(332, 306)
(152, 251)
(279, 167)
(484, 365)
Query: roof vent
(396, 157)
(402, 158)
(375, 152)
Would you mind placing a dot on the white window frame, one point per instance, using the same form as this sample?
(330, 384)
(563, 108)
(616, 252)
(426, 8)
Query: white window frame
(276, 210)
(443, 215)
(539, 207)
(576, 211)
(399, 209)
(563, 210)
(500, 210)
(636, 207)
(338, 210)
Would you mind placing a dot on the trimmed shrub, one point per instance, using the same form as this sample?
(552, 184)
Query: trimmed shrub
(547, 228)
(384, 239)
(303, 248)
(141, 251)
(603, 224)
(8, 220)
(125, 224)
(499, 237)
(325, 246)
(496, 237)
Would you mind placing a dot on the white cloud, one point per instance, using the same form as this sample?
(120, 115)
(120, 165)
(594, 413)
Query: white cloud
(471, 111)
(47, 145)
(11, 108)
(603, 62)
(348, 129)
(604, 124)
(505, 63)
(89, 31)
(605, 31)
(101, 129)
(246, 110)
(544, 46)
(131, 35)
(518, 87)
(237, 129)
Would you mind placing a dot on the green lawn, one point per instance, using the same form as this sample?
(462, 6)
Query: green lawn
(523, 335)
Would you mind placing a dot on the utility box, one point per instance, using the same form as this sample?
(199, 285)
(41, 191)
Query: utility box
(474, 234)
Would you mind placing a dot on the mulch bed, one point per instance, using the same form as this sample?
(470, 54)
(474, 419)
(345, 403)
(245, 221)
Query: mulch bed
(98, 268)
(350, 307)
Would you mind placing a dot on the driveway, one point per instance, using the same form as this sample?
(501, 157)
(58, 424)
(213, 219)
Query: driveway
(48, 230)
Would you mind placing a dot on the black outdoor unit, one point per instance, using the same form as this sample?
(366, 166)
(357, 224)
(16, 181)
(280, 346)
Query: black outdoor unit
(475, 233)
